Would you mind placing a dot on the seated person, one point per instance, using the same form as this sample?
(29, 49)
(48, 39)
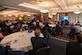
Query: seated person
(1, 36)
(38, 42)
(58, 29)
(78, 29)
(74, 47)
(78, 23)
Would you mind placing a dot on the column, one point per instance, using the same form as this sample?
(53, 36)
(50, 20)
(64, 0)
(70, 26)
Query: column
(45, 16)
(57, 17)
(54, 17)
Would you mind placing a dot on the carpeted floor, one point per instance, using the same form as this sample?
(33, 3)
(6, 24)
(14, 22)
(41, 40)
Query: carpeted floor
(57, 46)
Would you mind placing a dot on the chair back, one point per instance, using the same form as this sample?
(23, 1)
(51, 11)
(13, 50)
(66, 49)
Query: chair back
(16, 53)
(66, 32)
(3, 50)
(38, 42)
(43, 51)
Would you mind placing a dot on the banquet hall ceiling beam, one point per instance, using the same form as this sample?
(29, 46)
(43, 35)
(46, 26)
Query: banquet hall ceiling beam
(62, 4)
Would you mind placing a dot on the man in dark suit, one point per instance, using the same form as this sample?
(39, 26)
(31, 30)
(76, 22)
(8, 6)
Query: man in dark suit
(37, 41)
(74, 47)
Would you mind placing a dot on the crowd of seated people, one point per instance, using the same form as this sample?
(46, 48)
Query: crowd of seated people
(11, 26)
(61, 28)
(6, 28)
(66, 29)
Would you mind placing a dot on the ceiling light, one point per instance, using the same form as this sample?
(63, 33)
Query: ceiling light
(20, 18)
(4, 15)
(54, 13)
(77, 12)
(28, 15)
(9, 15)
(44, 11)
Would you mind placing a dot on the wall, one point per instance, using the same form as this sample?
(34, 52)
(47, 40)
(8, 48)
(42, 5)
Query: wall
(8, 18)
(13, 17)
(75, 17)
(72, 17)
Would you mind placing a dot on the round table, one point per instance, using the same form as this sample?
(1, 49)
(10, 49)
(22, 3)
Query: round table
(52, 25)
(19, 40)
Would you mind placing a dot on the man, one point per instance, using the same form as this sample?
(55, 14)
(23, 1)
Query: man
(74, 47)
(38, 42)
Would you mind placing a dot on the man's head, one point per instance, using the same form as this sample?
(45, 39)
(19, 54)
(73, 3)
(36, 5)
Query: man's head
(37, 32)
(79, 38)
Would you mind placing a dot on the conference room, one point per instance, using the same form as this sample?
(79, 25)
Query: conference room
(55, 22)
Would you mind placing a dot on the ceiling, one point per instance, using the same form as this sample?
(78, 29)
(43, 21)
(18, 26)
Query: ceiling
(37, 5)
(10, 12)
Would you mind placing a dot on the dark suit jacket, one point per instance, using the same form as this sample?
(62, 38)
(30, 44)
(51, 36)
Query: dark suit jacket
(73, 48)
(3, 50)
(38, 42)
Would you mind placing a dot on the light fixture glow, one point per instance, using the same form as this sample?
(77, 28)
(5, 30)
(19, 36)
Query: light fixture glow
(9, 15)
(44, 11)
(54, 13)
(77, 12)
(4, 15)
(28, 15)
(20, 18)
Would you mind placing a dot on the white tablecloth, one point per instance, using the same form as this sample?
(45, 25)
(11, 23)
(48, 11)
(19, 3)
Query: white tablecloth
(52, 25)
(19, 40)
(24, 25)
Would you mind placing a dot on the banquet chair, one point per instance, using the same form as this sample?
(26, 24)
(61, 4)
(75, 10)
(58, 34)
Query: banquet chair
(66, 32)
(37, 43)
(3, 50)
(16, 53)
(43, 51)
